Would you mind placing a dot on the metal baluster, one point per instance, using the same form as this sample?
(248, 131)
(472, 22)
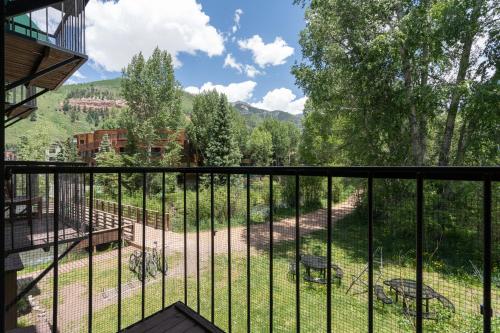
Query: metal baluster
(12, 211)
(420, 231)
(91, 248)
(143, 282)
(75, 28)
(297, 252)
(370, 253)
(163, 241)
(62, 30)
(248, 254)
(197, 243)
(120, 244)
(84, 30)
(30, 207)
(47, 22)
(47, 204)
(212, 248)
(329, 257)
(271, 253)
(55, 291)
(2, 168)
(185, 244)
(230, 318)
(487, 311)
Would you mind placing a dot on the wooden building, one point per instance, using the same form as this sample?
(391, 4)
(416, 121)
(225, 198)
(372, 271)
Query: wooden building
(88, 145)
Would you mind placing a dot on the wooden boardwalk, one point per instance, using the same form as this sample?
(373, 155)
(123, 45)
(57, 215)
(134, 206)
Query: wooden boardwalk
(20, 235)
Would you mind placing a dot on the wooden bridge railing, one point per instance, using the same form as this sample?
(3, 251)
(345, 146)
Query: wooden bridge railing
(153, 218)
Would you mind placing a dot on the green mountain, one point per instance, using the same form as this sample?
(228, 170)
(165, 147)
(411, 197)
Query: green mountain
(61, 121)
(254, 114)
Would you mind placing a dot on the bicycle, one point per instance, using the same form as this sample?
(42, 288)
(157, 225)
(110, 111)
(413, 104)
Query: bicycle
(152, 263)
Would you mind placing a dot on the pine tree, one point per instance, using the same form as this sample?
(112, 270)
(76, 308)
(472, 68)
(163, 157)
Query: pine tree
(105, 146)
(222, 149)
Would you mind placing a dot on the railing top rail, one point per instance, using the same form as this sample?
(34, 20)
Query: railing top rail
(396, 172)
(44, 163)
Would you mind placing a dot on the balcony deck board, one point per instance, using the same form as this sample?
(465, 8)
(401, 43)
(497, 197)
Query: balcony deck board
(175, 318)
(25, 56)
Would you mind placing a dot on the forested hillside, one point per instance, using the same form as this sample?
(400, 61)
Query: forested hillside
(77, 108)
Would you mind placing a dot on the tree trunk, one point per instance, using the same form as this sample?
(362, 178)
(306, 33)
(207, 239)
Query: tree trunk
(459, 157)
(414, 126)
(444, 153)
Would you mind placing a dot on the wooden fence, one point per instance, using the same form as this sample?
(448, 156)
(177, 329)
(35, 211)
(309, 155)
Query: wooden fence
(153, 218)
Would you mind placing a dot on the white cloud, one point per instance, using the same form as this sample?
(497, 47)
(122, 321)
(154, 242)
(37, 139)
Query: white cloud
(249, 70)
(118, 30)
(192, 90)
(282, 99)
(231, 62)
(78, 75)
(241, 91)
(274, 53)
(237, 16)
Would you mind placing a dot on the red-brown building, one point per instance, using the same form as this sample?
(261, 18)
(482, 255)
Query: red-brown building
(88, 145)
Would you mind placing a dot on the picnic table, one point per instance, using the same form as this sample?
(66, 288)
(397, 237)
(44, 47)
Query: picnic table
(320, 264)
(408, 289)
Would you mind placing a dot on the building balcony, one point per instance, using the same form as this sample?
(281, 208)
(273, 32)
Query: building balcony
(253, 249)
(44, 46)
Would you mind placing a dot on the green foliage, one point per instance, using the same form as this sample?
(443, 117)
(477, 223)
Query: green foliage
(320, 142)
(105, 146)
(222, 149)
(399, 82)
(32, 147)
(107, 182)
(260, 147)
(69, 151)
(153, 99)
(205, 105)
(285, 139)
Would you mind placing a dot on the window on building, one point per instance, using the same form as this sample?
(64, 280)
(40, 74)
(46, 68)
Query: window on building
(155, 152)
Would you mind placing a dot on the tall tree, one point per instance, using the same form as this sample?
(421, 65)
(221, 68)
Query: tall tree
(153, 99)
(203, 115)
(260, 147)
(285, 137)
(105, 146)
(395, 77)
(222, 149)
(32, 146)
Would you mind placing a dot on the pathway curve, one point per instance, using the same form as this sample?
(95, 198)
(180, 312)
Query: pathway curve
(283, 230)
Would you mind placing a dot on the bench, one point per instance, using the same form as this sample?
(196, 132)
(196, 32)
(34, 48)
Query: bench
(447, 304)
(381, 295)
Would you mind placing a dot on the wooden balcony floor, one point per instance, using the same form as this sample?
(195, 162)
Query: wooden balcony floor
(19, 234)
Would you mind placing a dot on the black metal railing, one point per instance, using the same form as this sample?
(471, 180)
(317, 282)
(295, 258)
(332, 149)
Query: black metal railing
(61, 24)
(235, 230)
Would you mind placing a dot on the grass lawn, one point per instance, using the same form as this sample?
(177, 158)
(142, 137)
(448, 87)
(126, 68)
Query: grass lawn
(349, 310)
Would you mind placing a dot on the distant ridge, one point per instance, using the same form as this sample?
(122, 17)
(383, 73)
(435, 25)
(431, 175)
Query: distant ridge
(59, 125)
(248, 110)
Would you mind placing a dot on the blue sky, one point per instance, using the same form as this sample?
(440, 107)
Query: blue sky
(242, 48)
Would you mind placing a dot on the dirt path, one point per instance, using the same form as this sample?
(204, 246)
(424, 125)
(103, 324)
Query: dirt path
(74, 297)
(283, 230)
